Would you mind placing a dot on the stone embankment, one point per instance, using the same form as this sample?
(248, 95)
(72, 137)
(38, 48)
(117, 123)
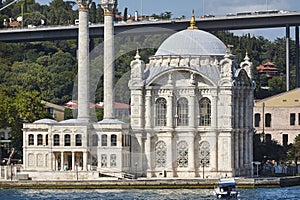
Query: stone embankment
(150, 183)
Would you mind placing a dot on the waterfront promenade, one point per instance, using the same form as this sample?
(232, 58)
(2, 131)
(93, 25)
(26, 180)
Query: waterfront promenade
(150, 183)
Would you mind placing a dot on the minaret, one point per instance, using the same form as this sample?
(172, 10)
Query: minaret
(109, 97)
(83, 61)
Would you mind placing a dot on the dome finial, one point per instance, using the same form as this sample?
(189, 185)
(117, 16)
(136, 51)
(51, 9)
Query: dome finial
(137, 56)
(193, 23)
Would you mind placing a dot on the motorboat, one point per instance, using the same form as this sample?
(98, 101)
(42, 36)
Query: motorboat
(226, 189)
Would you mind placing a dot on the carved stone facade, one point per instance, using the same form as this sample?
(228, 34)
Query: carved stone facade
(192, 110)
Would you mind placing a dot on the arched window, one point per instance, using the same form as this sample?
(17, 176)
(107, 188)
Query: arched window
(78, 140)
(160, 154)
(30, 139)
(256, 120)
(161, 112)
(95, 140)
(67, 140)
(113, 140)
(47, 139)
(39, 139)
(204, 112)
(268, 120)
(104, 140)
(56, 140)
(182, 154)
(103, 160)
(204, 154)
(182, 112)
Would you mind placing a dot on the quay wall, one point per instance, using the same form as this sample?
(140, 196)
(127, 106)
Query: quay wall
(149, 183)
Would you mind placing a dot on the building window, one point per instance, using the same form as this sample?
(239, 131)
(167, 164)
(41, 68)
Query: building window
(204, 112)
(31, 139)
(182, 154)
(39, 139)
(47, 139)
(292, 119)
(67, 140)
(104, 140)
(160, 154)
(268, 137)
(298, 118)
(161, 112)
(95, 140)
(256, 120)
(78, 140)
(103, 160)
(56, 140)
(113, 140)
(182, 112)
(285, 139)
(113, 160)
(268, 119)
(204, 154)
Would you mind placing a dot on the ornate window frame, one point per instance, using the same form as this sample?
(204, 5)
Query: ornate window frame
(161, 112)
(182, 154)
(182, 112)
(160, 154)
(204, 112)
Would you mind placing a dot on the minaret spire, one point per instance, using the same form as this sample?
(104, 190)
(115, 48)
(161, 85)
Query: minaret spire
(193, 23)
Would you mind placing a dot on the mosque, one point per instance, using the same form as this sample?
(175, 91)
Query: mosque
(191, 115)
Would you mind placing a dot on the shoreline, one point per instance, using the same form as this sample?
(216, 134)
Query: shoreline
(143, 183)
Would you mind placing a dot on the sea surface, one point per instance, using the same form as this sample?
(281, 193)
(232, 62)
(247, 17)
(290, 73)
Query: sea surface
(145, 194)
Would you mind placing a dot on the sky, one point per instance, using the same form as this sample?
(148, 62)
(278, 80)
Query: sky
(213, 7)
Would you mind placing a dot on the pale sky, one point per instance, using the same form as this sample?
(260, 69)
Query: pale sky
(213, 7)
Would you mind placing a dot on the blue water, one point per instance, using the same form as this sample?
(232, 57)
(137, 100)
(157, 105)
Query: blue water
(145, 194)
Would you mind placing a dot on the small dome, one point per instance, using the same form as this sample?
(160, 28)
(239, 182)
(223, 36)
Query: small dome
(45, 121)
(192, 42)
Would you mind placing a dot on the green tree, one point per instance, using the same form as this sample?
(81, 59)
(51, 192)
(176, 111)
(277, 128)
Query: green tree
(294, 151)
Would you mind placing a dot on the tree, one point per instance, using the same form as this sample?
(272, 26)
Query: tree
(294, 151)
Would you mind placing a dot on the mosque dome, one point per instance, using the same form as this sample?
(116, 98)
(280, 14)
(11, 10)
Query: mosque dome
(192, 42)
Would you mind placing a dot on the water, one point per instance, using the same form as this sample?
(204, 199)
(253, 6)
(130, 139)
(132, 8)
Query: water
(289, 193)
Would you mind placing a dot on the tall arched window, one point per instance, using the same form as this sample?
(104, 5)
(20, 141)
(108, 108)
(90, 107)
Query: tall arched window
(182, 154)
(104, 140)
(204, 154)
(67, 140)
(78, 140)
(30, 139)
(161, 112)
(204, 112)
(39, 139)
(95, 140)
(47, 139)
(268, 120)
(160, 154)
(113, 140)
(182, 112)
(256, 120)
(56, 140)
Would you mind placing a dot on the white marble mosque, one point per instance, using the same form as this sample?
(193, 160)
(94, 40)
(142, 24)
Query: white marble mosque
(191, 115)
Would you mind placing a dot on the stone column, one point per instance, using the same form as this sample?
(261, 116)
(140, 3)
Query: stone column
(148, 110)
(84, 161)
(169, 144)
(191, 100)
(170, 111)
(241, 143)
(73, 161)
(62, 161)
(236, 150)
(109, 97)
(191, 151)
(83, 61)
(148, 152)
